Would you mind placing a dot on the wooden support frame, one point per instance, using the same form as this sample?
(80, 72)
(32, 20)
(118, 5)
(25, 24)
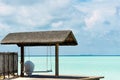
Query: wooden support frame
(22, 61)
(57, 60)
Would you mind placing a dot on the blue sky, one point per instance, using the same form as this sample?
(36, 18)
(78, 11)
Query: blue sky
(95, 23)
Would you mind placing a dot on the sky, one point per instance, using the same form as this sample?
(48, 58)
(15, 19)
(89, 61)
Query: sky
(95, 23)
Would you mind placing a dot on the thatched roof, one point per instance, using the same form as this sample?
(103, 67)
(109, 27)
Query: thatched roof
(65, 37)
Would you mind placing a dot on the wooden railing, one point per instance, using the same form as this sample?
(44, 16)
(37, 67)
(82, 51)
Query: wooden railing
(8, 64)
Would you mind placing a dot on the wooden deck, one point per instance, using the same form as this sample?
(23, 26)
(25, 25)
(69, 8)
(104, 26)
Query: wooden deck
(51, 77)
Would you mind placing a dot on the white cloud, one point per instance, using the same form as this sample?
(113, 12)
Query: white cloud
(92, 19)
(57, 24)
(39, 14)
(46, 12)
(6, 10)
(96, 13)
(21, 17)
(56, 4)
(32, 17)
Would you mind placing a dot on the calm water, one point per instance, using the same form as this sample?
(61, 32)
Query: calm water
(107, 66)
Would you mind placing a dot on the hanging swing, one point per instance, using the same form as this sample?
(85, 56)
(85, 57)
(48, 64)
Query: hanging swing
(48, 61)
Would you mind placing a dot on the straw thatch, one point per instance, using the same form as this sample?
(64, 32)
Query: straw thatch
(65, 37)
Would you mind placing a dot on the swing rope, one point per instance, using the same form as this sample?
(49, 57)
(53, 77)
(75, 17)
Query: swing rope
(49, 56)
(47, 60)
(50, 59)
(29, 53)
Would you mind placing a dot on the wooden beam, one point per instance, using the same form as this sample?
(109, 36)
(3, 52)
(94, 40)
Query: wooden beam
(57, 60)
(22, 61)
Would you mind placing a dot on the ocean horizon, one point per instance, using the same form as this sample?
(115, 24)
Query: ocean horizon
(72, 55)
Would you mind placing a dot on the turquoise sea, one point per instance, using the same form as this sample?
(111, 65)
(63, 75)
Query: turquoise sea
(107, 66)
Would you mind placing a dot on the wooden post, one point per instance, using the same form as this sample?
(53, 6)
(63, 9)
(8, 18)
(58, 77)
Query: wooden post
(22, 61)
(4, 66)
(57, 60)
